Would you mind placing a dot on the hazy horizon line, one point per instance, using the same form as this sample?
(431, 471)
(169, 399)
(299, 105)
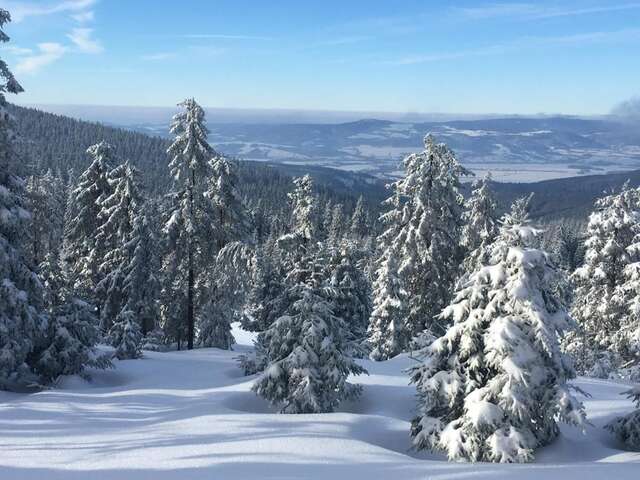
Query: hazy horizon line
(127, 113)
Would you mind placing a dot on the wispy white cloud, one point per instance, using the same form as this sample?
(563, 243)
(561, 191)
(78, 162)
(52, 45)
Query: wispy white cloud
(345, 40)
(203, 49)
(189, 51)
(397, 25)
(159, 56)
(84, 17)
(21, 10)
(580, 39)
(222, 36)
(208, 50)
(84, 42)
(435, 57)
(538, 11)
(33, 60)
(575, 40)
(47, 54)
(16, 50)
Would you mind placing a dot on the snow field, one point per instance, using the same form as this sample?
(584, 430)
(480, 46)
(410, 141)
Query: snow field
(191, 415)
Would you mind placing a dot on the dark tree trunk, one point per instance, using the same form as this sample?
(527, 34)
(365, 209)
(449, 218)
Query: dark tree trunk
(190, 320)
(190, 280)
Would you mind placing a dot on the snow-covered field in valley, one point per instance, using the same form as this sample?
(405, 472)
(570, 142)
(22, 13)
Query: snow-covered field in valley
(191, 415)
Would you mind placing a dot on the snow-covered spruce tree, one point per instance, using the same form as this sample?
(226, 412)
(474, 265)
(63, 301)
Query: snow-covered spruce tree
(125, 336)
(85, 248)
(225, 300)
(130, 283)
(422, 230)
(625, 342)
(47, 202)
(67, 246)
(141, 285)
(337, 225)
(260, 214)
(154, 340)
(627, 428)
(480, 226)
(37, 204)
(265, 301)
(232, 221)
(21, 319)
(223, 287)
(569, 246)
(304, 212)
(388, 334)
(173, 305)
(54, 282)
(187, 227)
(214, 322)
(67, 346)
(306, 349)
(324, 220)
(600, 306)
(351, 293)
(302, 237)
(430, 238)
(117, 214)
(564, 241)
(359, 227)
(296, 244)
(493, 387)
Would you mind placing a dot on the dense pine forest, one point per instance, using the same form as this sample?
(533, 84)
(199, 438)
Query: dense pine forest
(114, 243)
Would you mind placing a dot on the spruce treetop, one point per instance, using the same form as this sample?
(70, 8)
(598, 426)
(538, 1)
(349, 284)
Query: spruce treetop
(190, 150)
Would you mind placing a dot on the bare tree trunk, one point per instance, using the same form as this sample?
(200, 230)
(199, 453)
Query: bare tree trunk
(190, 320)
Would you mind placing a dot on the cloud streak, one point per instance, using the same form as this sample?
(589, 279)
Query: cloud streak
(382, 26)
(155, 57)
(576, 40)
(531, 11)
(222, 36)
(338, 41)
(21, 10)
(32, 61)
(48, 53)
(15, 50)
(82, 39)
(84, 17)
(200, 50)
(207, 50)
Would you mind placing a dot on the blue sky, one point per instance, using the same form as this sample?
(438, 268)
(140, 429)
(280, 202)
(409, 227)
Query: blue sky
(576, 57)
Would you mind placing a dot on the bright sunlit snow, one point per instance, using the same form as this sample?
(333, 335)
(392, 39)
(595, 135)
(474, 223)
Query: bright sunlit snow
(190, 415)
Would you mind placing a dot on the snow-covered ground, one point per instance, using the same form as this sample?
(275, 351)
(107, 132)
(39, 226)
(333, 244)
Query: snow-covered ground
(191, 415)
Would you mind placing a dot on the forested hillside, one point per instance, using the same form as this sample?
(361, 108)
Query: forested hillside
(568, 197)
(59, 143)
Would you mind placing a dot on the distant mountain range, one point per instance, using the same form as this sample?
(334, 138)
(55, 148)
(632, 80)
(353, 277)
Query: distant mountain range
(513, 149)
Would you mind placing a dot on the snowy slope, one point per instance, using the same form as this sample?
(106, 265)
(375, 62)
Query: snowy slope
(191, 415)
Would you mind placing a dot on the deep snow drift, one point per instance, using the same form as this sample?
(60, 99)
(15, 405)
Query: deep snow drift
(191, 415)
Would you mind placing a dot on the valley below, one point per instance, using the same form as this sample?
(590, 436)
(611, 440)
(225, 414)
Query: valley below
(511, 149)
